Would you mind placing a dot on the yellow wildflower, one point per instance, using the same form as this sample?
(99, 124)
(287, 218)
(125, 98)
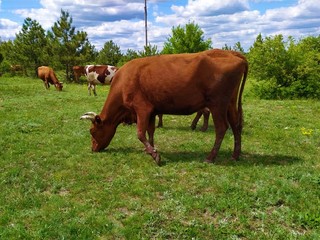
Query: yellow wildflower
(306, 131)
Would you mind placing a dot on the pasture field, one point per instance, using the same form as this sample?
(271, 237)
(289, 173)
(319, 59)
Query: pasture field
(53, 186)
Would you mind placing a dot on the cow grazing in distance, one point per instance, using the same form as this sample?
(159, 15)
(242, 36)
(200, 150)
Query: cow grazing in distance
(205, 112)
(78, 71)
(178, 84)
(49, 77)
(17, 68)
(99, 74)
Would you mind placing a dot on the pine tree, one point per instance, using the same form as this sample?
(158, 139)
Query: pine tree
(68, 45)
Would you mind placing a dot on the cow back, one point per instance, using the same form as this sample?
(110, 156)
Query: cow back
(179, 84)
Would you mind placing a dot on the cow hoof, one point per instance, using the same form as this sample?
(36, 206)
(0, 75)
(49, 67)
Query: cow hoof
(156, 157)
(208, 161)
(235, 158)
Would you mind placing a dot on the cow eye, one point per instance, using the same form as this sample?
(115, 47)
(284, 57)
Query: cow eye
(98, 119)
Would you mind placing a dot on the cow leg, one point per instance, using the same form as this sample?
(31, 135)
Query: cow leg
(160, 123)
(195, 120)
(206, 115)
(221, 126)
(151, 130)
(94, 89)
(235, 121)
(144, 122)
(89, 89)
(46, 84)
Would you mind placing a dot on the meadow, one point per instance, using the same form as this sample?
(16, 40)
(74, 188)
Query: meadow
(53, 186)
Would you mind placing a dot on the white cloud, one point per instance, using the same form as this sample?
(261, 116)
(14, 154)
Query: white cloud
(209, 7)
(8, 28)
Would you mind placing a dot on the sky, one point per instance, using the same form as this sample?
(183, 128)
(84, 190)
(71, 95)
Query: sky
(122, 21)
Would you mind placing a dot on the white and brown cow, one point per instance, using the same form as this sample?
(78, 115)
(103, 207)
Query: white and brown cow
(99, 74)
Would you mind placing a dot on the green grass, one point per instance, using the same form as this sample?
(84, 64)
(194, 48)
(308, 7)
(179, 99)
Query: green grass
(53, 186)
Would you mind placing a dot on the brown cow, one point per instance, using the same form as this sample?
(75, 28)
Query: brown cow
(99, 74)
(78, 71)
(49, 77)
(178, 84)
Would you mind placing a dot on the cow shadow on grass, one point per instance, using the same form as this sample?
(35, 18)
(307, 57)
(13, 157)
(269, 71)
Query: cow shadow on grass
(223, 158)
(187, 128)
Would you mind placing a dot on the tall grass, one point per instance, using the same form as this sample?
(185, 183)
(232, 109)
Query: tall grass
(54, 187)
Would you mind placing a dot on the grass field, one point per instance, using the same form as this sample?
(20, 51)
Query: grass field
(53, 186)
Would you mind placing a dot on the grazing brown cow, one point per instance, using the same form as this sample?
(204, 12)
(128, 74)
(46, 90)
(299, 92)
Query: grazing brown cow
(78, 71)
(99, 74)
(178, 84)
(49, 77)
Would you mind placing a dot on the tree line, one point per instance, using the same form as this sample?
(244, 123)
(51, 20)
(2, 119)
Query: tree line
(279, 68)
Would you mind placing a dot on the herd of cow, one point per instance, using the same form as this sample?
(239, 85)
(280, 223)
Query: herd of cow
(207, 82)
(95, 74)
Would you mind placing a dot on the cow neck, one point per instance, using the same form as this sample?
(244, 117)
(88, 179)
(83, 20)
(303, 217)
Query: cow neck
(112, 113)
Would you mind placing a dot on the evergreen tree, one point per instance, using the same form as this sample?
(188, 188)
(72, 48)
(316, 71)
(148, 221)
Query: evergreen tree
(68, 45)
(109, 54)
(149, 51)
(28, 46)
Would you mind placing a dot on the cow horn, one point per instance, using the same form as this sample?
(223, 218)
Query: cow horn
(89, 115)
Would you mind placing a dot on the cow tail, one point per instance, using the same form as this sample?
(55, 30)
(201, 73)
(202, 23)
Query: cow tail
(241, 88)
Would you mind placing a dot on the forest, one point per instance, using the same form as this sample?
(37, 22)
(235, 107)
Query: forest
(280, 68)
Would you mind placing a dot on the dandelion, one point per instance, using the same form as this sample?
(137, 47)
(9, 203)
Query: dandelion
(306, 132)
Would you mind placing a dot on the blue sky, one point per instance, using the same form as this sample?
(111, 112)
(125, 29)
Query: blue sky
(224, 22)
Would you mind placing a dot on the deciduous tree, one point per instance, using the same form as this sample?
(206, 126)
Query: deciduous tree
(187, 39)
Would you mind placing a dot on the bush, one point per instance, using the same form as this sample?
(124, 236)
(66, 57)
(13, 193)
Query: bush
(285, 70)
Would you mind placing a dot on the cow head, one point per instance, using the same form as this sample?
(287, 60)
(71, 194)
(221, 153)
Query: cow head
(101, 132)
(59, 86)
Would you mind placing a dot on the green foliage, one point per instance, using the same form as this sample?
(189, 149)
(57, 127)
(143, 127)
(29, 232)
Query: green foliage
(132, 54)
(129, 55)
(284, 69)
(149, 51)
(187, 39)
(110, 54)
(237, 47)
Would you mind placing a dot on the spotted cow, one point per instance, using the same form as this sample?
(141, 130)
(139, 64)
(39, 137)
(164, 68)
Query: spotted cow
(99, 74)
